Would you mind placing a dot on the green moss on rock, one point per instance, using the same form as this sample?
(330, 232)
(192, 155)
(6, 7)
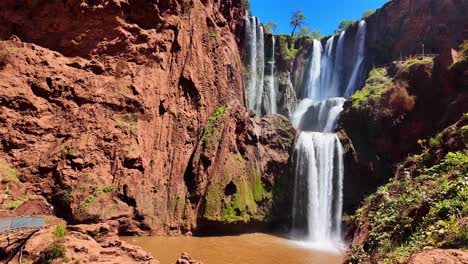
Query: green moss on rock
(375, 87)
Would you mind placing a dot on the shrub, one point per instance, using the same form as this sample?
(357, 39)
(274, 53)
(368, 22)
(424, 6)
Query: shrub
(287, 50)
(375, 87)
(400, 101)
(56, 249)
(7, 174)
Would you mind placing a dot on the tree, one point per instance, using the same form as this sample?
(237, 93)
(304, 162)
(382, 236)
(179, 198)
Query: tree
(271, 26)
(344, 24)
(316, 34)
(306, 32)
(297, 20)
(368, 13)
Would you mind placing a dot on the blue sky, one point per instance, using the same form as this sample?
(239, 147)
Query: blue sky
(324, 15)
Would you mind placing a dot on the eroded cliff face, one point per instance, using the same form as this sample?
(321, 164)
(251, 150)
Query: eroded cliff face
(400, 28)
(399, 105)
(238, 180)
(104, 103)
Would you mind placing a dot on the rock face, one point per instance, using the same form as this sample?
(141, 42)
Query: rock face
(382, 123)
(80, 243)
(402, 26)
(103, 108)
(239, 172)
(106, 112)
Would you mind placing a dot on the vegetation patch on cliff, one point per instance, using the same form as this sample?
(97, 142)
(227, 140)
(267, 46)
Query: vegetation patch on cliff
(424, 207)
(376, 85)
(8, 174)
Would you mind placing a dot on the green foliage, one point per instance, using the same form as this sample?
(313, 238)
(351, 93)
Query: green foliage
(368, 13)
(435, 141)
(213, 34)
(212, 123)
(344, 24)
(423, 209)
(60, 231)
(464, 49)
(56, 249)
(376, 85)
(17, 203)
(271, 26)
(8, 174)
(416, 61)
(287, 50)
(297, 20)
(305, 32)
(94, 194)
(258, 190)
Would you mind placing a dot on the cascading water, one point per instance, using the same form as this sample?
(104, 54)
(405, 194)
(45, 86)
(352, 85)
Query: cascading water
(359, 59)
(319, 180)
(318, 189)
(260, 75)
(269, 102)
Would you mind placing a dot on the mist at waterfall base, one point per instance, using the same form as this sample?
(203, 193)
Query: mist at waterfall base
(318, 153)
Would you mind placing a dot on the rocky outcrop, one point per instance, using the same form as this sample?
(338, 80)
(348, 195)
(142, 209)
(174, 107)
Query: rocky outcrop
(382, 123)
(104, 103)
(186, 259)
(238, 179)
(80, 243)
(433, 256)
(400, 28)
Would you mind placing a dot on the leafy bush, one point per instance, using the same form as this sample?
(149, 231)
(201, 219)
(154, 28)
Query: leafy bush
(56, 249)
(422, 209)
(287, 50)
(8, 174)
(376, 85)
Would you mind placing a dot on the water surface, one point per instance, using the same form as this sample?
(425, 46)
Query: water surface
(244, 249)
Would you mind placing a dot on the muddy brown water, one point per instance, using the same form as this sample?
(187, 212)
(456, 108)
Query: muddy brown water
(244, 249)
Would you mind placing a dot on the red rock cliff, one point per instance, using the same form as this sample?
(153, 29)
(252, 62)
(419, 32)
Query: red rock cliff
(104, 102)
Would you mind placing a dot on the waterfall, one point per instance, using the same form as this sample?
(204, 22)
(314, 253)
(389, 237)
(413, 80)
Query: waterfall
(318, 154)
(261, 94)
(319, 175)
(270, 91)
(338, 63)
(317, 116)
(359, 59)
(260, 69)
(312, 89)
